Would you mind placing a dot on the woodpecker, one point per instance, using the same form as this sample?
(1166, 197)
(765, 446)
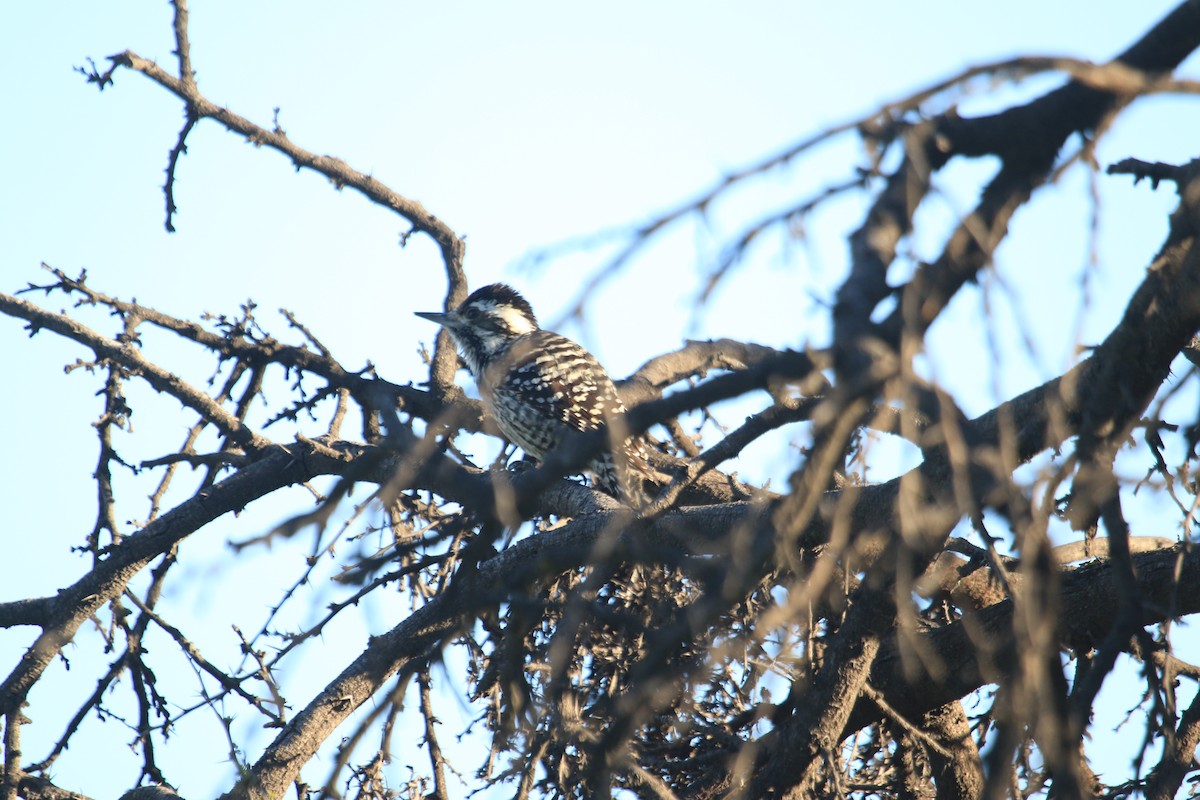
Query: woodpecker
(540, 386)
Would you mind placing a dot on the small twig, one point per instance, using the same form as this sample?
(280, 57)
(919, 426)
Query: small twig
(775, 416)
(304, 330)
(178, 150)
(224, 458)
(183, 48)
(227, 682)
(1156, 172)
(264, 674)
(436, 759)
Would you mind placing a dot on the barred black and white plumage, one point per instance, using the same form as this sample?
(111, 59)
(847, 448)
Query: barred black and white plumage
(541, 386)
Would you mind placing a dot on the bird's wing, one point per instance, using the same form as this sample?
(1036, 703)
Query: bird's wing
(560, 379)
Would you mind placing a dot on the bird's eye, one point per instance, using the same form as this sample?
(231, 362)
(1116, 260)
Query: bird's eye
(472, 312)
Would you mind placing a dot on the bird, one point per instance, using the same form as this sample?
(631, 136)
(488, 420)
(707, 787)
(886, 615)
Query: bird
(540, 386)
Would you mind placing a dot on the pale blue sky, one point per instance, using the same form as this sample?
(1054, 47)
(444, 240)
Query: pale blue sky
(520, 124)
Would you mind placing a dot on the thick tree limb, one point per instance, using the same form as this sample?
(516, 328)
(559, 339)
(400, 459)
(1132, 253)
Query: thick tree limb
(1027, 138)
(982, 649)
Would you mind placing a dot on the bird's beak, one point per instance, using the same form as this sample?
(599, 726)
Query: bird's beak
(440, 317)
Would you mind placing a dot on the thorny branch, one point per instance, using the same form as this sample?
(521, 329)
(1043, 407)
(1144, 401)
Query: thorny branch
(727, 641)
